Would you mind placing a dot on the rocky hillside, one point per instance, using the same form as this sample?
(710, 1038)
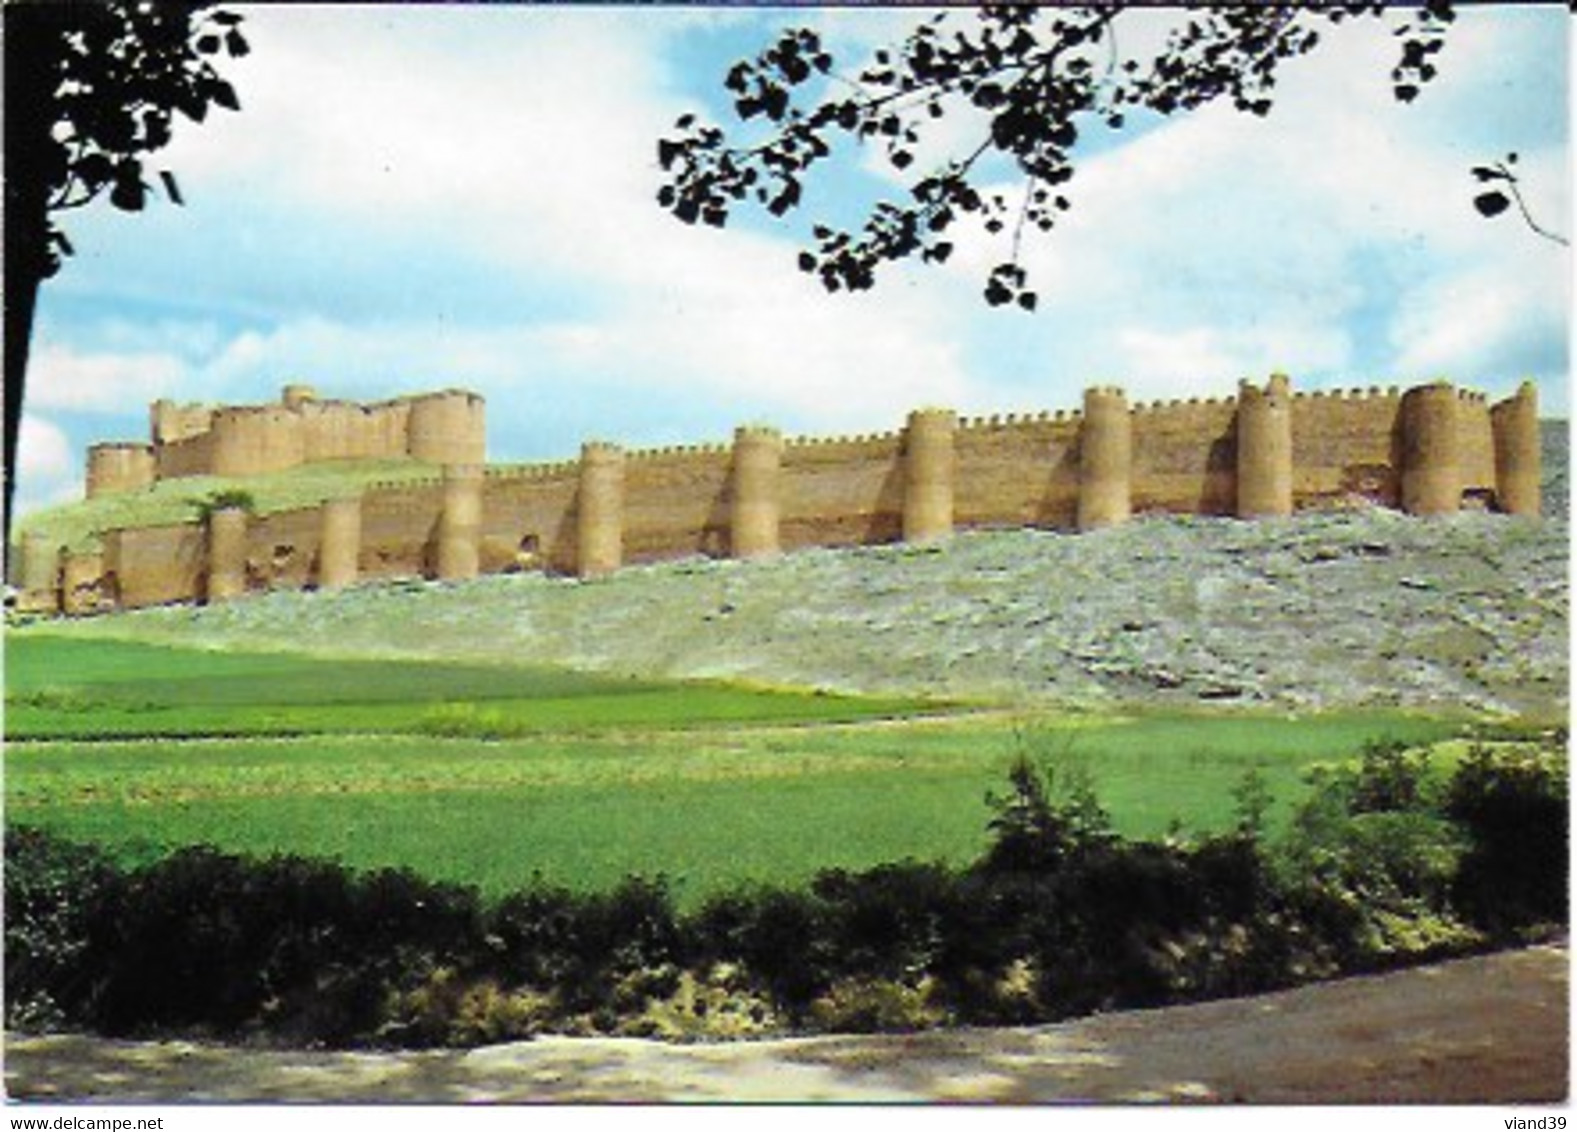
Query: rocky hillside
(1341, 610)
(1556, 458)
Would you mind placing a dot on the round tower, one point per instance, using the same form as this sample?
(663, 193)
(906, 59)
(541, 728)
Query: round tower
(1519, 463)
(294, 396)
(1431, 476)
(226, 553)
(38, 576)
(1264, 455)
(448, 428)
(339, 548)
(460, 523)
(599, 514)
(251, 440)
(928, 475)
(119, 467)
(754, 517)
(1105, 459)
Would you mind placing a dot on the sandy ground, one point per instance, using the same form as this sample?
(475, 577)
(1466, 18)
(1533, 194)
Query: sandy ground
(1492, 1029)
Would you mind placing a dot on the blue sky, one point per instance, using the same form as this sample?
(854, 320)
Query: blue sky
(415, 197)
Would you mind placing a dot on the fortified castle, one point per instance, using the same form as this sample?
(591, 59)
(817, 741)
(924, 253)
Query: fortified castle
(1431, 450)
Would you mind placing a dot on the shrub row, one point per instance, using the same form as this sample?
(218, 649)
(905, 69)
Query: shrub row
(1386, 863)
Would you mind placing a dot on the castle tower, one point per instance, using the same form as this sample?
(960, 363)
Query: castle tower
(599, 511)
(1264, 456)
(169, 422)
(460, 523)
(253, 440)
(1431, 475)
(754, 517)
(339, 548)
(226, 553)
(294, 396)
(448, 428)
(928, 475)
(38, 577)
(1519, 462)
(1105, 459)
(119, 467)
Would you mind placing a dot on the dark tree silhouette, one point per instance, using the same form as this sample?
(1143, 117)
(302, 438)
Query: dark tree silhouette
(91, 88)
(1035, 79)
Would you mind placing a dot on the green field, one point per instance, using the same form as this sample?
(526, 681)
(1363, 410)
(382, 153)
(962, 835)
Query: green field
(489, 775)
(58, 687)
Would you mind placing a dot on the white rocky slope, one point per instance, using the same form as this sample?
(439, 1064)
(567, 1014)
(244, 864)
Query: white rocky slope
(1350, 609)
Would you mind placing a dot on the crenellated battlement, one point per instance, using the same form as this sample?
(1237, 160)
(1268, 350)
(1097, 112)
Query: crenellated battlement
(675, 451)
(1265, 452)
(758, 433)
(850, 442)
(507, 472)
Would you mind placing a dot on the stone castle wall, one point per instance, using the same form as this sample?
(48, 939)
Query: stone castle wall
(1264, 453)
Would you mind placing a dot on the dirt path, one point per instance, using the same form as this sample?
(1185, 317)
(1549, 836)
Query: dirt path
(1486, 1030)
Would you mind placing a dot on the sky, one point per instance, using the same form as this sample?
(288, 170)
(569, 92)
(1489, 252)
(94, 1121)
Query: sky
(422, 197)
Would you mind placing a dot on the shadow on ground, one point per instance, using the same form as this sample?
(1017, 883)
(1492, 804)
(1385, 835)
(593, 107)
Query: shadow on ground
(1492, 1029)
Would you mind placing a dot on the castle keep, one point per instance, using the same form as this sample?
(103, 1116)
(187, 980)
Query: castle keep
(1267, 452)
(248, 440)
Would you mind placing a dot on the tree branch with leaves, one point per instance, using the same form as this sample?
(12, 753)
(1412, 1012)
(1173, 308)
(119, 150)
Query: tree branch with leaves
(1037, 78)
(1503, 188)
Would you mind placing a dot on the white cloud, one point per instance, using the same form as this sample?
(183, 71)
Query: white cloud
(510, 130)
(60, 377)
(43, 450)
(48, 471)
(1160, 364)
(1477, 322)
(776, 350)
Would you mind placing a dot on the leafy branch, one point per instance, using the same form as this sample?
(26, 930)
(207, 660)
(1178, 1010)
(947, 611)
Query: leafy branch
(1495, 200)
(1039, 77)
(123, 73)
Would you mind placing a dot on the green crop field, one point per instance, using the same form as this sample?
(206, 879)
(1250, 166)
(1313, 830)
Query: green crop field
(60, 687)
(488, 775)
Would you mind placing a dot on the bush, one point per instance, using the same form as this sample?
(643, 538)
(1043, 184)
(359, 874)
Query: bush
(714, 1001)
(584, 949)
(877, 1006)
(779, 936)
(447, 1009)
(534, 935)
(55, 893)
(1512, 803)
(225, 499)
(1390, 779)
(1368, 865)
(300, 948)
(886, 922)
(467, 721)
(1041, 822)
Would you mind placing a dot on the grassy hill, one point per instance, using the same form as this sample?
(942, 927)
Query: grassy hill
(78, 525)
